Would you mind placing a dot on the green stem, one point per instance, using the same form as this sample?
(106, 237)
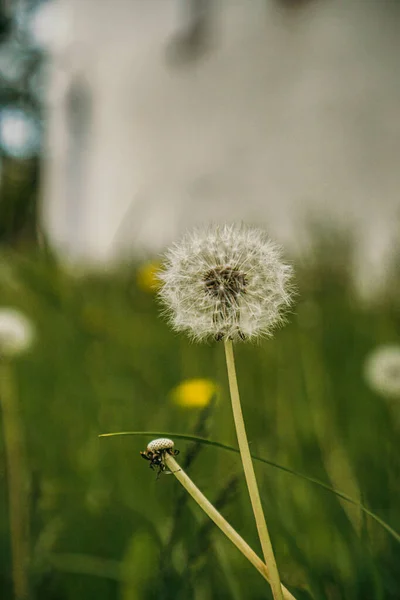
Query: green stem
(222, 523)
(16, 478)
(250, 475)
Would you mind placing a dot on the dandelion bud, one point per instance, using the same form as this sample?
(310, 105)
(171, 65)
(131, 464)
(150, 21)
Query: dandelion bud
(225, 282)
(16, 332)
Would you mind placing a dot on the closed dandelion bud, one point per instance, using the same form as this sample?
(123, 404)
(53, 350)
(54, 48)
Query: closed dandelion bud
(156, 451)
(160, 444)
(16, 332)
(225, 282)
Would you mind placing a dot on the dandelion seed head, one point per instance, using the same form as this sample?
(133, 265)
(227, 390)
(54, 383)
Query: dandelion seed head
(16, 332)
(225, 282)
(382, 371)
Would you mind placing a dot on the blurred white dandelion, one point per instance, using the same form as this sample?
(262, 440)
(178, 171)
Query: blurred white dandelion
(51, 26)
(20, 135)
(226, 282)
(382, 371)
(16, 332)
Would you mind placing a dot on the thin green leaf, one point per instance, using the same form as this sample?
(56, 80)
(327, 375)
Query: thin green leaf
(200, 440)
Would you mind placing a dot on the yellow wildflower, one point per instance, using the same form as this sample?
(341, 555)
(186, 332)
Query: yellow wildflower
(147, 279)
(194, 393)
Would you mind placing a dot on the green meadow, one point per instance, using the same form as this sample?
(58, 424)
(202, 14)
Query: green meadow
(103, 526)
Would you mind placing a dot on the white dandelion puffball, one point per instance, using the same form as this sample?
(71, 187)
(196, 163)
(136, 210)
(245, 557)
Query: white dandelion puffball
(225, 282)
(16, 332)
(382, 371)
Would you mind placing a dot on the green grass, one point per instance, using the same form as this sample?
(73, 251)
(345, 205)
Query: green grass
(101, 525)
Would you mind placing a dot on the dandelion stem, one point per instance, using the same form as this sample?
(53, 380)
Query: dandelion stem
(219, 520)
(16, 472)
(250, 474)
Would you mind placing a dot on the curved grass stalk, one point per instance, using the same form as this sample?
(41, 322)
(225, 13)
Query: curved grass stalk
(313, 480)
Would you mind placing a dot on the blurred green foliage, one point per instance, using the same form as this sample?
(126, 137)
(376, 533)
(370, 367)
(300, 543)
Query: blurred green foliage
(102, 526)
(18, 191)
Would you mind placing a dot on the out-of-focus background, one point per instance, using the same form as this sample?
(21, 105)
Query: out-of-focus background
(121, 124)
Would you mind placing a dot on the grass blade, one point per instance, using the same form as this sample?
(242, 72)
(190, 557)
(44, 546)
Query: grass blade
(206, 442)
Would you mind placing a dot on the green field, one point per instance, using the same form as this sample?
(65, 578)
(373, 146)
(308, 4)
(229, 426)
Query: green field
(102, 526)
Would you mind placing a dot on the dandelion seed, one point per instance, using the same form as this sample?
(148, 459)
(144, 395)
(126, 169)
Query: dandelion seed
(16, 332)
(382, 371)
(225, 282)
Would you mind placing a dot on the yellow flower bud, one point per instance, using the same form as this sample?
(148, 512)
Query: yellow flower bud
(194, 393)
(147, 279)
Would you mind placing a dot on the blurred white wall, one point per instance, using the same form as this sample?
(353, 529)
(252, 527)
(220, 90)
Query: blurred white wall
(284, 110)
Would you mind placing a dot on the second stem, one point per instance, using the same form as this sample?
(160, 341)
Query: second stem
(251, 476)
